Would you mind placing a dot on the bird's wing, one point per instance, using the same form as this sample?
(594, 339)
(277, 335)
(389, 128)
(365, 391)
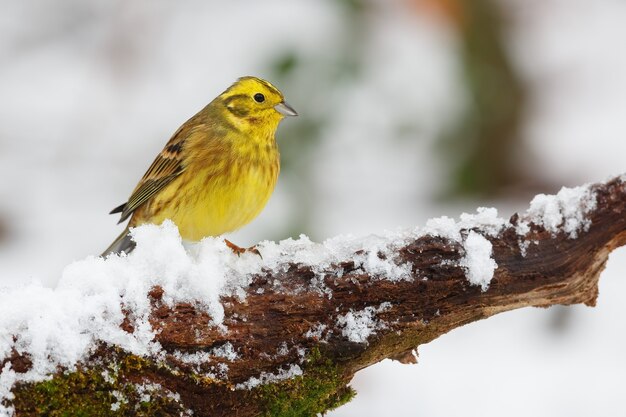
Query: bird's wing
(166, 167)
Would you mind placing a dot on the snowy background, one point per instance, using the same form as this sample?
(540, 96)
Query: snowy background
(90, 92)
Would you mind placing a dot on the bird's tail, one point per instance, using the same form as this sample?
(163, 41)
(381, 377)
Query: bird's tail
(123, 243)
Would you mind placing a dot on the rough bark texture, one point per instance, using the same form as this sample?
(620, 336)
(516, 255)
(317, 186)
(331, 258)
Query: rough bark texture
(268, 328)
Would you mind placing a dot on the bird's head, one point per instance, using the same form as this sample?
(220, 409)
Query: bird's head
(252, 101)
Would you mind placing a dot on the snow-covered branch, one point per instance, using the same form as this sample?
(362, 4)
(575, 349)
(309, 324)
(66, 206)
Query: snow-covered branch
(174, 330)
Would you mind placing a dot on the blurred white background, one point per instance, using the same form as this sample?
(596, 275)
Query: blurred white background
(409, 109)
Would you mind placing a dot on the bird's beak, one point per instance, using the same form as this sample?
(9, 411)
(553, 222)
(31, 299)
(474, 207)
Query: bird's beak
(285, 109)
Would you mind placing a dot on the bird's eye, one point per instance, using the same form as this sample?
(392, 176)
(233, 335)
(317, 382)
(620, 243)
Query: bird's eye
(259, 98)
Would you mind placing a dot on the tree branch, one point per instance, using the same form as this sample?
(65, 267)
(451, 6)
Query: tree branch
(296, 338)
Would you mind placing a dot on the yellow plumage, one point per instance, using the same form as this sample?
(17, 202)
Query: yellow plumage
(217, 171)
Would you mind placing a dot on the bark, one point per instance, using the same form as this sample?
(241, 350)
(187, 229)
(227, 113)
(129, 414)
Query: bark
(284, 320)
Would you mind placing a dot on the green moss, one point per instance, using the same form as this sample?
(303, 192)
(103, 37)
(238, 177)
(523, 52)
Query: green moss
(93, 392)
(319, 389)
(75, 394)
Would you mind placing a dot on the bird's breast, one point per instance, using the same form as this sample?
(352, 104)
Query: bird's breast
(224, 200)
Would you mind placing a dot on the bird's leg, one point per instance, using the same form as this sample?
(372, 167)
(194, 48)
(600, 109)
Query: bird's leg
(239, 250)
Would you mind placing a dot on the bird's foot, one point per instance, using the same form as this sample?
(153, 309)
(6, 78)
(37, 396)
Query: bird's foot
(238, 250)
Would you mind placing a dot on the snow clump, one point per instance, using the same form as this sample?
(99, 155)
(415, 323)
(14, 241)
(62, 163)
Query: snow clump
(478, 263)
(566, 210)
(357, 326)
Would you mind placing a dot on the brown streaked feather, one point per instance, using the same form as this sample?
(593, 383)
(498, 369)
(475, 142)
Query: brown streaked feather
(166, 167)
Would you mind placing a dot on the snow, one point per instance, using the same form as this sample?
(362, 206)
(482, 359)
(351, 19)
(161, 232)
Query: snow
(478, 263)
(316, 331)
(121, 399)
(358, 326)
(485, 218)
(7, 379)
(443, 226)
(565, 211)
(268, 378)
(146, 391)
(523, 246)
(226, 351)
(320, 256)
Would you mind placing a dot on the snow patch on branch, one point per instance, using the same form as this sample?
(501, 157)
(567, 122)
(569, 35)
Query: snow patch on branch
(477, 262)
(486, 219)
(566, 211)
(374, 254)
(268, 378)
(226, 351)
(444, 227)
(358, 326)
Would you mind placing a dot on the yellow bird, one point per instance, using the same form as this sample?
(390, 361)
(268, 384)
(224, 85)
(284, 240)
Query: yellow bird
(217, 171)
